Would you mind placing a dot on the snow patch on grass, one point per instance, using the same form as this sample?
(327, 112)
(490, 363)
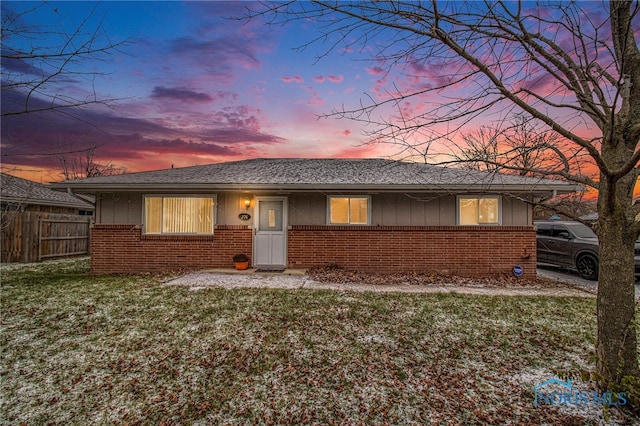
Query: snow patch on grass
(130, 349)
(375, 338)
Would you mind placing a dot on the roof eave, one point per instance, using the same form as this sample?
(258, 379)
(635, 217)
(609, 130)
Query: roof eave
(184, 188)
(34, 201)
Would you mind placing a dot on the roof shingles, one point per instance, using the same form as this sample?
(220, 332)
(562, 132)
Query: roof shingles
(17, 190)
(296, 172)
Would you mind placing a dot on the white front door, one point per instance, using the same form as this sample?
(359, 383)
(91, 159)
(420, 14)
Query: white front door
(270, 233)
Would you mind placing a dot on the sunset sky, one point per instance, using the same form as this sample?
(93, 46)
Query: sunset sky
(194, 86)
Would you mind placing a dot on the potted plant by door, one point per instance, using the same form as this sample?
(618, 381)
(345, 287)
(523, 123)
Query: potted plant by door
(241, 261)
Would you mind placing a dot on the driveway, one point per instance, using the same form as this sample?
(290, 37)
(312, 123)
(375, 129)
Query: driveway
(567, 277)
(573, 278)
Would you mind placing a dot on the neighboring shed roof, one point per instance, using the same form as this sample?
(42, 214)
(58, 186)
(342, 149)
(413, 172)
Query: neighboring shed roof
(312, 174)
(16, 190)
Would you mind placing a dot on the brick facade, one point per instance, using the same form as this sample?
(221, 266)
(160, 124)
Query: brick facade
(123, 249)
(460, 250)
(457, 250)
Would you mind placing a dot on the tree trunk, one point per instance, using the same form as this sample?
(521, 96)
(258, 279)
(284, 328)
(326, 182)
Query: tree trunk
(617, 352)
(616, 348)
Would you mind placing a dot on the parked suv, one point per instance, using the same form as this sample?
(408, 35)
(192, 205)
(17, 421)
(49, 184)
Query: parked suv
(571, 245)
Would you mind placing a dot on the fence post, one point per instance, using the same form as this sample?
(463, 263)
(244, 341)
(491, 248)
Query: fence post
(39, 238)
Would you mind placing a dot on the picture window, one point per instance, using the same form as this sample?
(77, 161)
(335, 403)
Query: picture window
(179, 215)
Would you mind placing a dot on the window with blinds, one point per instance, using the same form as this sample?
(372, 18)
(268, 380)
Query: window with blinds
(179, 215)
(479, 210)
(349, 210)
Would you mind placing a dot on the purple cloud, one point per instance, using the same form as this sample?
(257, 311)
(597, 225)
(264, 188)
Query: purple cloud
(38, 139)
(18, 65)
(216, 56)
(375, 71)
(180, 93)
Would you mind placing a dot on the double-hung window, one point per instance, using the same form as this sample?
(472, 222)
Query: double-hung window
(179, 214)
(349, 210)
(484, 210)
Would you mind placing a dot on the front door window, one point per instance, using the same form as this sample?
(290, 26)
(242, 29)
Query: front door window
(270, 216)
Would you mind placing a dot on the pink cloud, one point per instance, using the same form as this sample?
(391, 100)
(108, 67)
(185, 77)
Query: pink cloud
(315, 99)
(346, 132)
(292, 79)
(319, 79)
(542, 83)
(375, 71)
(335, 78)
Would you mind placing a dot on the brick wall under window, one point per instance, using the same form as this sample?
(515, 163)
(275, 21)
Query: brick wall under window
(457, 250)
(123, 249)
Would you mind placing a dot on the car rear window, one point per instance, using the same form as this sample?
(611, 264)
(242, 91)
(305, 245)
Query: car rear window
(582, 231)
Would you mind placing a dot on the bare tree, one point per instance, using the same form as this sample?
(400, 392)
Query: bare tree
(37, 59)
(574, 206)
(575, 71)
(479, 150)
(79, 164)
(520, 148)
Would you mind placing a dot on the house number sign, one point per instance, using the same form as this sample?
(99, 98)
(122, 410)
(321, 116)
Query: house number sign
(244, 216)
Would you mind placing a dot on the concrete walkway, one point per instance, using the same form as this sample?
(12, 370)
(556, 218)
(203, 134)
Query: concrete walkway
(296, 279)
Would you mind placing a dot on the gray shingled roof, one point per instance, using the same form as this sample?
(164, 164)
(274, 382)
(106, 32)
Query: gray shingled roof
(17, 190)
(311, 174)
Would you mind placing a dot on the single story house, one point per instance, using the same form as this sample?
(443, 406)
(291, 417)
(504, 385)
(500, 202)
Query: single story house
(17, 194)
(366, 214)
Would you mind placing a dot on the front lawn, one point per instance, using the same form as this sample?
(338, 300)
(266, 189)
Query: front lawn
(80, 349)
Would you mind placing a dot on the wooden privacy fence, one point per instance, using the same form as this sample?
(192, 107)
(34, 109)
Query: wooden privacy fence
(34, 236)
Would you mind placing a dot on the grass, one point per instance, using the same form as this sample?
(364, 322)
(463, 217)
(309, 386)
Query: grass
(81, 349)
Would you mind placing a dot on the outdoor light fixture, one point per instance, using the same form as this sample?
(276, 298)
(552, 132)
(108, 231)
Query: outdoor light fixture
(247, 203)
